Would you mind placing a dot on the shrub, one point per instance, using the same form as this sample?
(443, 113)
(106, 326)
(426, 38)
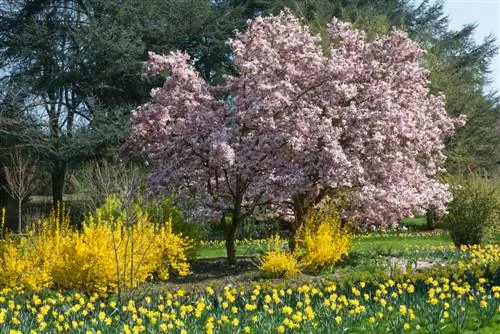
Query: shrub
(21, 265)
(110, 252)
(159, 212)
(26, 261)
(322, 241)
(278, 262)
(252, 228)
(475, 208)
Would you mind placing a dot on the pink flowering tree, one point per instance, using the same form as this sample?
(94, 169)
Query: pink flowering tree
(393, 130)
(295, 125)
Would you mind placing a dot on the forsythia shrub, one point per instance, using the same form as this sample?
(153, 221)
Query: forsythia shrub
(278, 262)
(26, 261)
(322, 240)
(110, 251)
(20, 265)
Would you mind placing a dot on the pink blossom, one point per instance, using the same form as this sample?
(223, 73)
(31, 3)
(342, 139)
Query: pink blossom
(298, 124)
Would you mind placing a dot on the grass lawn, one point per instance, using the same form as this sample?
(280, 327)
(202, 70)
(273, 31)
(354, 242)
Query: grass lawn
(388, 243)
(382, 243)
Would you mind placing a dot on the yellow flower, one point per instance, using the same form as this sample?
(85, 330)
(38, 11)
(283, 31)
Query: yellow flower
(406, 326)
(235, 322)
(280, 329)
(246, 330)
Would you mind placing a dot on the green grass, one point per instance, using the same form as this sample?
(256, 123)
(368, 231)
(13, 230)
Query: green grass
(220, 251)
(382, 243)
(399, 243)
(419, 222)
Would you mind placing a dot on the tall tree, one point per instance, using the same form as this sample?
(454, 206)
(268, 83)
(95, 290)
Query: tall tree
(78, 62)
(44, 54)
(295, 125)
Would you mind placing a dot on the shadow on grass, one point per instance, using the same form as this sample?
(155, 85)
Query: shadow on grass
(208, 269)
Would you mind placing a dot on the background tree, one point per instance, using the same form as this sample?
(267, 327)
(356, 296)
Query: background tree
(78, 66)
(20, 177)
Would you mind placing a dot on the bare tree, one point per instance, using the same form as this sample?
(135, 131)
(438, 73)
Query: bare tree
(98, 180)
(20, 177)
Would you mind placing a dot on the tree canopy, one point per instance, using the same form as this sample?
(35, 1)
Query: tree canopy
(295, 124)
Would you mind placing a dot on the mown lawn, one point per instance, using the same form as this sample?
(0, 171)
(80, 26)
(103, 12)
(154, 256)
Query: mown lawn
(373, 242)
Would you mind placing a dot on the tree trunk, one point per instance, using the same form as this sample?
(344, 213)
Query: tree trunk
(230, 236)
(231, 248)
(300, 216)
(20, 220)
(58, 175)
(291, 240)
(431, 217)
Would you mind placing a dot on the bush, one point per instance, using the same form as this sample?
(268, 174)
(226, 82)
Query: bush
(474, 210)
(252, 228)
(322, 241)
(112, 251)
(165, 210)
(278, 262)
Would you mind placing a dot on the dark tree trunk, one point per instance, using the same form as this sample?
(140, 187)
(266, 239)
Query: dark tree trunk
(230, 235)
(431, 217)
(292, 243)
(58, 175)
(20, 210)
(300, 213)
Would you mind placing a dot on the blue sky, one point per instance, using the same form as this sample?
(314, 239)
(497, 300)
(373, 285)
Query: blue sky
(485, 13)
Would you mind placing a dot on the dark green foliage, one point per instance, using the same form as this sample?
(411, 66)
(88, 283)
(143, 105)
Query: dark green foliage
(475, 210)
(76, 68)
(257, 229)
(165, 210)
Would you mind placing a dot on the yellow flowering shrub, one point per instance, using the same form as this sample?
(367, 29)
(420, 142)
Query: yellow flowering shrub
(20, 265)
(26, 261)
(278, 262)
(322, 241)
(109, 251)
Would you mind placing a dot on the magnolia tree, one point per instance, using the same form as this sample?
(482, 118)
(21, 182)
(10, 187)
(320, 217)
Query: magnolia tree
(295, 125)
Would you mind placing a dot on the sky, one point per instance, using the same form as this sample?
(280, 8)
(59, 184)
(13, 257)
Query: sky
(486, 14)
